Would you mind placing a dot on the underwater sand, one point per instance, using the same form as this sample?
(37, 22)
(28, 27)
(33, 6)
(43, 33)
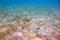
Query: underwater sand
(31, 25)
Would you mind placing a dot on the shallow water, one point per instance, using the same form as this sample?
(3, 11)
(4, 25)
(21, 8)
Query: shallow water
(29, 20)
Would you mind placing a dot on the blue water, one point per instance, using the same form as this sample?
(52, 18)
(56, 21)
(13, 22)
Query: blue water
(45, 3)
(30, 7)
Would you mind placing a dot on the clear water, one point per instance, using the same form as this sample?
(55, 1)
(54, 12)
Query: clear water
(43, 21)
(32, 8)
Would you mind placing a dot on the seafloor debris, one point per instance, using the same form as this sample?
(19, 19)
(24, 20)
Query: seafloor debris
(31, 29)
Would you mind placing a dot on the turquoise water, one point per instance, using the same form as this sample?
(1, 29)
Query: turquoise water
(32, 8)
(40, 17)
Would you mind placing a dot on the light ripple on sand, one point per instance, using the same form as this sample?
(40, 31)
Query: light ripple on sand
(35, 29)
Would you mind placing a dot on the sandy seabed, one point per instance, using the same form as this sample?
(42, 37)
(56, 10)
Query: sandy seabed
(31, 29)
